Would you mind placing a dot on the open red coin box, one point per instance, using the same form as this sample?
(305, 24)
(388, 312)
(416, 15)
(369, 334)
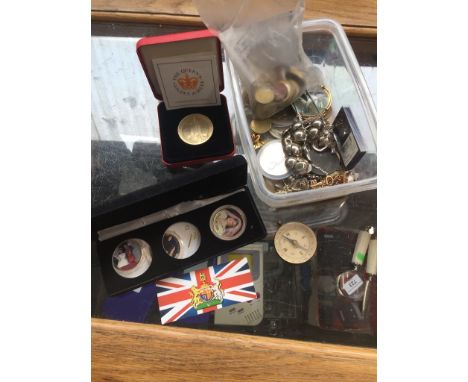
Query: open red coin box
(130, 218)
(185, 70)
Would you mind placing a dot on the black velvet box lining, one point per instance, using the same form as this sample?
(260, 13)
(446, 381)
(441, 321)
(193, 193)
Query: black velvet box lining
(175, 151)
(162, 264)
(212, 179)
(209, 180)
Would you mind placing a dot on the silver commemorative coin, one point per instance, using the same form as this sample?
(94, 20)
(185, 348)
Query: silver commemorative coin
(271, 159)
(181, 240)
(228, 222)
(277, 131)
(132, 258)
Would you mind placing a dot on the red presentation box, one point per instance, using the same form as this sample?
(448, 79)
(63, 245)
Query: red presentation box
(185, 73)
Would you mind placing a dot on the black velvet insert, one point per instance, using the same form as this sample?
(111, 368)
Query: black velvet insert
(175, 151)
(211, 179)
(162, 264)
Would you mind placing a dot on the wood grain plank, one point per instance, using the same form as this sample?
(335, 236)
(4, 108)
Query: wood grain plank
(357, 13)
(357, 16)
(146, 18)
(124, 351)
(171, 7)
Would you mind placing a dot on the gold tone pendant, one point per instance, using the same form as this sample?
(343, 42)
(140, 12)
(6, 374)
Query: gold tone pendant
(257, 141)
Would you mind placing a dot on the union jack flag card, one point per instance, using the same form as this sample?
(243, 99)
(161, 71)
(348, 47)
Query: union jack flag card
(204, 290)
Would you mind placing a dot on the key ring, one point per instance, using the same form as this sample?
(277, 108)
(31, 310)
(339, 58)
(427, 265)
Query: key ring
(327, 92)
(329, 99)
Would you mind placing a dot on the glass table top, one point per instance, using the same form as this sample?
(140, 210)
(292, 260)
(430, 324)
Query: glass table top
(296, 301)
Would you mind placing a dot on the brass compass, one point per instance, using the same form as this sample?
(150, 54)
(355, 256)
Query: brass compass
(295, 242)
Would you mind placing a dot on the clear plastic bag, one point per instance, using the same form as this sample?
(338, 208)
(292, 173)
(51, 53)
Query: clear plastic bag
(264, 42)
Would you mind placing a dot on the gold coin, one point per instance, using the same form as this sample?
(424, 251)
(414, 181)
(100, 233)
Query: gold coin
(282, 90)
(264, 95)
(296, 74)
(293, 91)
(260, 126)
(228, 222)
(195, 129)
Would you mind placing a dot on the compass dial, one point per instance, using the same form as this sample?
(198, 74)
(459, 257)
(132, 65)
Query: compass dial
(295, 242)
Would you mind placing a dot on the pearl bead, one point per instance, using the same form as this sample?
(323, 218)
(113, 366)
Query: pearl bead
(287, 147)
(318, 124)
(302, 167)
(300, 135)
(290, 162)
(295, 149)
(297, 125)
(313, 132)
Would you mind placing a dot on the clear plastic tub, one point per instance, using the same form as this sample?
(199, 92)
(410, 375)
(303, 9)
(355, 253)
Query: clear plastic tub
(327, 46)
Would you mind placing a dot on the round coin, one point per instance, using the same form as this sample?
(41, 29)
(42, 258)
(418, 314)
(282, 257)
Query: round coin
(272, 160)
(282, 90)
(260, 126)
(195, 129)
(228, 222)
(284, 117)
(131, 258)
(264, 95)
(294, 91)
(277, 131)
(295, 242)
(296, 74)
(181, 240)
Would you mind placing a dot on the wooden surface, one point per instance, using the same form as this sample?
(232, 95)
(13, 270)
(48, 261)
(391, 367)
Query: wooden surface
(142, 352)
(359, 17)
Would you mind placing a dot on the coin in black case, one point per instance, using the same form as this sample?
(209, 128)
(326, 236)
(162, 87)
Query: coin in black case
(131, 258)
(228, 222)
(181, 240)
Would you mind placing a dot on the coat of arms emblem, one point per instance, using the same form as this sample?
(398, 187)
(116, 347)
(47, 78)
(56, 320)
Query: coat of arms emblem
(208, 294)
